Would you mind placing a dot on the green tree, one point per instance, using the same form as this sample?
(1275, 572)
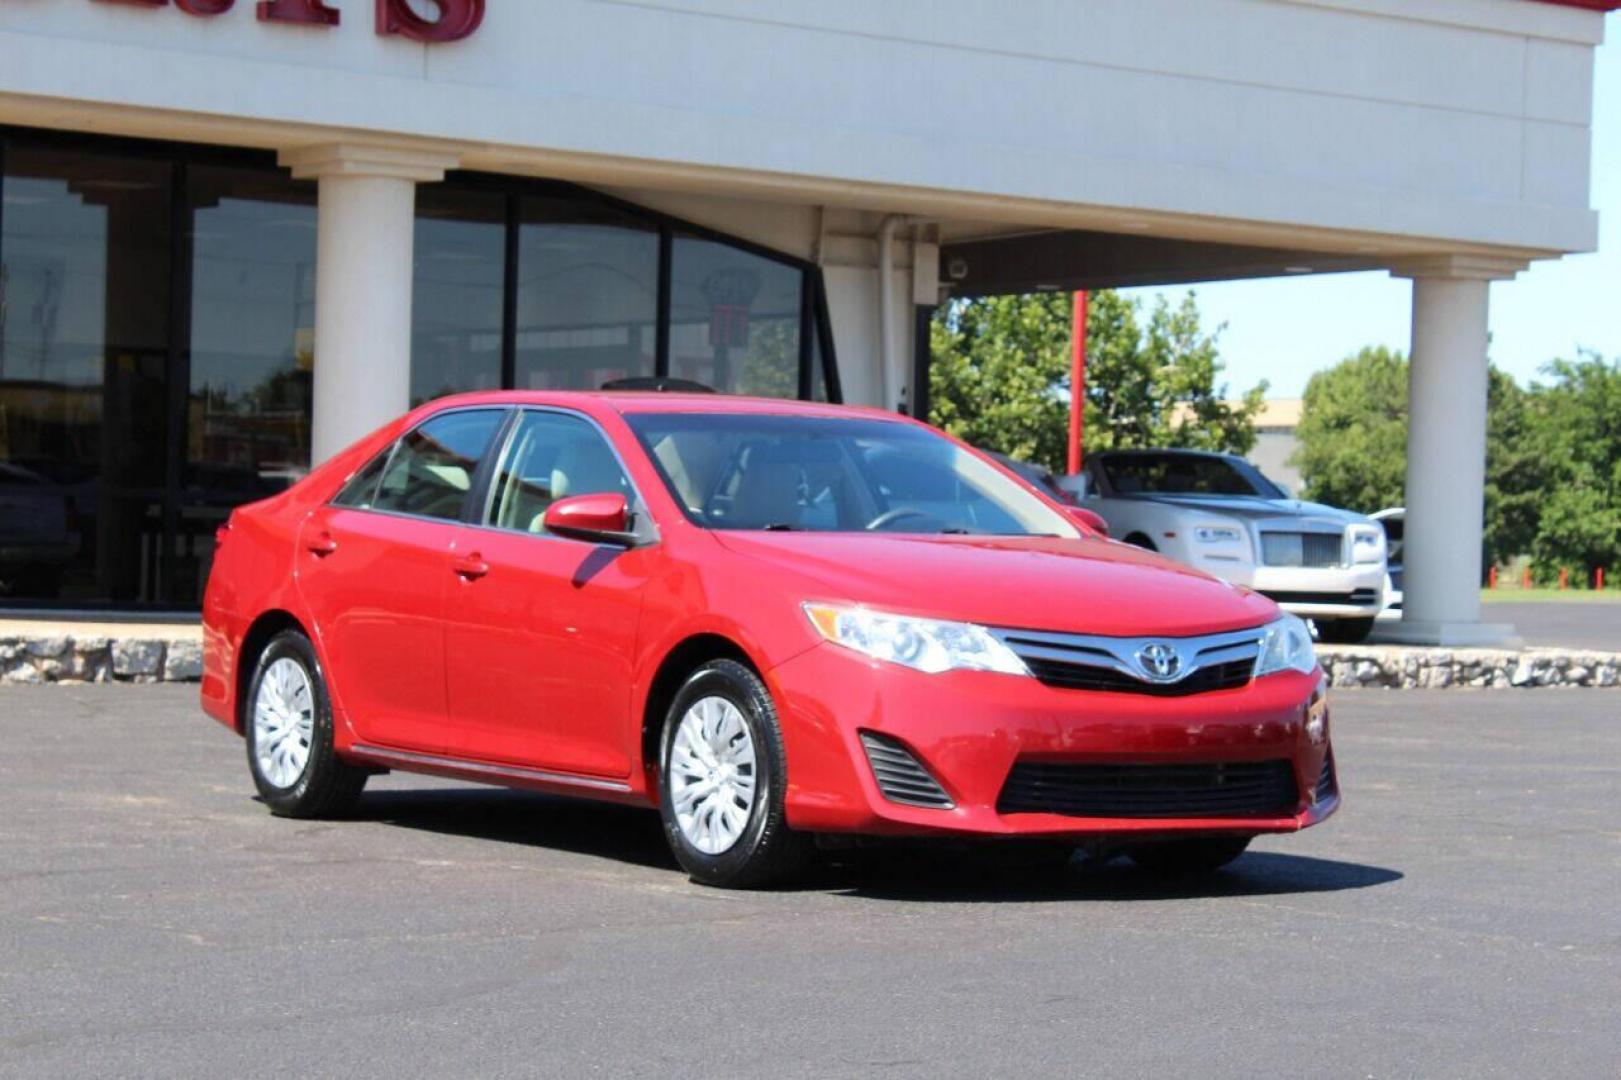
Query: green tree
(1353, 446)
(1001, 377)
(1574, 426)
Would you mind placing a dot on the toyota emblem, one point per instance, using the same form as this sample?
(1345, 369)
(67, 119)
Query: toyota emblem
(1159, 662)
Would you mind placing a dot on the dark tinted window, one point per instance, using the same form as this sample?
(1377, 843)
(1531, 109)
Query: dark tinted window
(550, 456)
(734, 319)
(1178, 474)
(432, 469)
(457, 291)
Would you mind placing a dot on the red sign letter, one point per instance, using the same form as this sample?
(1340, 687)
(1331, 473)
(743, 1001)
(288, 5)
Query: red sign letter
(457, 19)
(313, 12)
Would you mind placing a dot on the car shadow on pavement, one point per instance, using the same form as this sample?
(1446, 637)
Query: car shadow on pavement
(625, 834)
(947, 873)
(984, 878)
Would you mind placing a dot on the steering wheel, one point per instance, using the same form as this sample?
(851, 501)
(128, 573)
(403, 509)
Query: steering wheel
(899, 513)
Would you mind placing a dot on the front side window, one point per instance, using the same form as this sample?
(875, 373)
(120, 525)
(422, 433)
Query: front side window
(743, 471)
(432, 469)
(549, 457)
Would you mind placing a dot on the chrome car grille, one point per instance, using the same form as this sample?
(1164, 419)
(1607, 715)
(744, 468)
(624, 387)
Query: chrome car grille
(1204, 789)
(1124, 665)
(1302, 549)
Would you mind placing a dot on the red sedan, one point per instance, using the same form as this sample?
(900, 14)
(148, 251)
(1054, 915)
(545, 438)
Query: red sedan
(774, 620)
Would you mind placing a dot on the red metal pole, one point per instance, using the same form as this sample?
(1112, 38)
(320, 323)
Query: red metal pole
(1077, 380)
(1491, 578)
(1598, 579)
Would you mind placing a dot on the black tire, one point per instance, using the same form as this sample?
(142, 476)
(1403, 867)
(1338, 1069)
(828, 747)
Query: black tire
(328, 785)
(1343, 631)
(1138, 539)
(766, 852)
(1188, 858)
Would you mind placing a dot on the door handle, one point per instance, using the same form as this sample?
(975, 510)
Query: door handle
(321, 546)
(471, 566)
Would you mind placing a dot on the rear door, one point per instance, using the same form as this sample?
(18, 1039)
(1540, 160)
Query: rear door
(376, 568)
(540, 642)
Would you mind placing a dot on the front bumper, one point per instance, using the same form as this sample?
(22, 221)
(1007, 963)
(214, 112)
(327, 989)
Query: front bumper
(1348, 592)
(970, 728)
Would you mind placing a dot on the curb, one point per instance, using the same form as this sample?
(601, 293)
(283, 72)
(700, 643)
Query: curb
(67, 659)
(1401, 667)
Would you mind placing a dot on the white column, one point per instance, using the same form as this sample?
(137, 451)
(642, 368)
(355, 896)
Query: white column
(1446, 453)
(363, 270)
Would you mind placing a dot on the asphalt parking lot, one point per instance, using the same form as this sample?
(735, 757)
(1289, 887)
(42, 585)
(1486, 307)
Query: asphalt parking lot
(1593, 624)
(1458, 918)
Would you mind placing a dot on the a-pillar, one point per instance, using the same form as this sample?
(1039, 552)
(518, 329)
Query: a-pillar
(363, 270)
(1446, 452)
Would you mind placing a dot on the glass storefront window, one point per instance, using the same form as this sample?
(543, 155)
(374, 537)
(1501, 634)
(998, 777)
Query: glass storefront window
(251, 352)
(457, 293)
(157, 327)
(588, 293)
(734, 319)
(85, 250)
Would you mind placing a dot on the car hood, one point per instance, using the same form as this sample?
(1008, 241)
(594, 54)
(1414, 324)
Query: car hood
(1254, 508)
(1089, 586)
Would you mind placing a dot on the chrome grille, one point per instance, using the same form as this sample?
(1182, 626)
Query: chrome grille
(1302, 549)
(1115, 664)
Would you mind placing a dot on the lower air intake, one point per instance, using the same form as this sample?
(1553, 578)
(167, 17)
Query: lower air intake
(1209, 789)
(1328, 785)
(901, 776)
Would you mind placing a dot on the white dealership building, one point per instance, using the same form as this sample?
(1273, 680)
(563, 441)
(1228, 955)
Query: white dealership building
(235, 235)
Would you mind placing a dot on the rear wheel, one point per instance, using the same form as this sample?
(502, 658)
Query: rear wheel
(288, 724)
(1188, 858)
(721, 780)
(1344, 631)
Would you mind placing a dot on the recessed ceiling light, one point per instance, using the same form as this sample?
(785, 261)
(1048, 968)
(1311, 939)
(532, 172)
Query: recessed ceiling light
(1136, 226)
(1298, 270)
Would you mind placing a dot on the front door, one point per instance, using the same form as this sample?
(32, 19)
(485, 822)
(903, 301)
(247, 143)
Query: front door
(376, 569)
(540, 643)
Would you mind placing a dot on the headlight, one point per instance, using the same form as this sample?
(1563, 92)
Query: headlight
(1286, 646)
(1217, 534)
(1367, 544)
(923, 644)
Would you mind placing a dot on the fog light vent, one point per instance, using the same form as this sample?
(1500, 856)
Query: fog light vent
(901, 777)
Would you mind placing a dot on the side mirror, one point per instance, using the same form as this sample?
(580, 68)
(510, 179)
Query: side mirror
(1090, 519)
(603, 518)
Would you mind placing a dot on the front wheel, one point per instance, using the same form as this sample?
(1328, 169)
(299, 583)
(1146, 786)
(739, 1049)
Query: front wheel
(1344, 631)
(288, 724)
(1188, 858)
(721, 779)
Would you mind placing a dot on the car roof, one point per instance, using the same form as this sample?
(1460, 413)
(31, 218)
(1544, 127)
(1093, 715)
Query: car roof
(638, 401)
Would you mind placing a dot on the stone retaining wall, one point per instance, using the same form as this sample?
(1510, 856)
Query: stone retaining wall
(67, 659)
(1397, 667)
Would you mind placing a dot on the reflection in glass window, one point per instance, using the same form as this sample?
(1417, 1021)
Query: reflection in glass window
(734, 319)
(432, 470)
(457, 291)
(252, 350)
(84, 349)
(587, 295)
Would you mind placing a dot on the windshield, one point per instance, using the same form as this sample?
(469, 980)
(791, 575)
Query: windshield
(1185, 474)
(745, 471)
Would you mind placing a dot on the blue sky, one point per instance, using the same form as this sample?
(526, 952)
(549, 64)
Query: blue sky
(1282, 330)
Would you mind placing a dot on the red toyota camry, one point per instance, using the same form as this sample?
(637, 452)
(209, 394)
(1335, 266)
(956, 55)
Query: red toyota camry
(773, 620)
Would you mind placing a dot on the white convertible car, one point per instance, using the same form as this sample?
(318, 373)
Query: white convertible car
(1218, 512)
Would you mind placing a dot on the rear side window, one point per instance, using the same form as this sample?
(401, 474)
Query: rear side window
(549, 457)
(433, 465)
(362, 487)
